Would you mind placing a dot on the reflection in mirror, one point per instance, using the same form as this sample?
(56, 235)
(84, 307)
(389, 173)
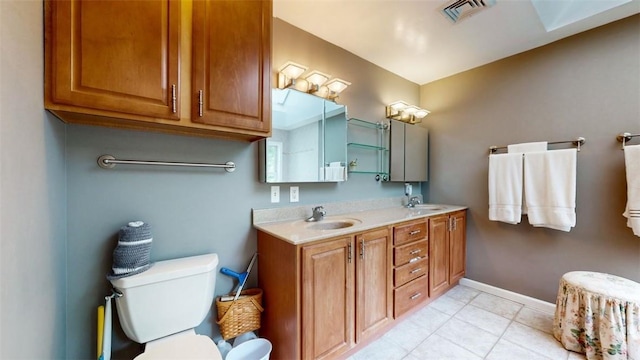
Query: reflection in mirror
(308, 142)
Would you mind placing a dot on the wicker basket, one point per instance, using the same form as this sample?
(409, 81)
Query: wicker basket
(240, 316)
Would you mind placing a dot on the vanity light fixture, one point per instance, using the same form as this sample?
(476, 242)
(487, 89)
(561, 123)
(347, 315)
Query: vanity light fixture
(405, 112)
(288, 73)
(316, 82)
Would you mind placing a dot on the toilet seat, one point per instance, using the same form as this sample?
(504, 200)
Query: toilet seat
(183, 345)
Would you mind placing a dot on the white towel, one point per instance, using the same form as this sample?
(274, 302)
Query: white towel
(335, 173)
(526, 148)
(505, 188)
(550, 183)
(632, 210)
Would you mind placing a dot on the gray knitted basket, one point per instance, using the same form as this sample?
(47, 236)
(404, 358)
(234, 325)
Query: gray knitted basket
(131, 255)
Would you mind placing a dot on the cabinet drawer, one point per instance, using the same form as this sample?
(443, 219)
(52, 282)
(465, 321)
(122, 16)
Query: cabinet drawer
(410, 232)
(405, 253)
(410, 295)
(408, 272)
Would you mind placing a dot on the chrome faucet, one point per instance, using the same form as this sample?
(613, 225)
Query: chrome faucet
(318, 214)
(413, 201)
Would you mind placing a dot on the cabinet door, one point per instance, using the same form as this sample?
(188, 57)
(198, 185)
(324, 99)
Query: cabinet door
(327, 298)
(231, 64)
(457, 246)
(438, 254)
(116, 56)
(373, 279)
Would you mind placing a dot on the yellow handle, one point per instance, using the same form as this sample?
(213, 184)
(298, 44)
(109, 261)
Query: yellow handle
(100, 328)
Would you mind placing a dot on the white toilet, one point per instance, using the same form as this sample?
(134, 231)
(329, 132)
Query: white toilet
(162, 306)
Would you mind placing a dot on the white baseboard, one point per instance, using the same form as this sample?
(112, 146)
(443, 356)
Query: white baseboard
(528, 301)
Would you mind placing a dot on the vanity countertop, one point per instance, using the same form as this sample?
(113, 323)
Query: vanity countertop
(300, 232)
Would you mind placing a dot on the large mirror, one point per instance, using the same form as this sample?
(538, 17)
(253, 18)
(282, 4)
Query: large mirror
(308, 141)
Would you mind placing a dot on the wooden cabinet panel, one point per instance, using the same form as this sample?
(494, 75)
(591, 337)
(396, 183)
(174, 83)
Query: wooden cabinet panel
(328, 298)
(410, 232)
(373, 298)
(438, 254)
(231, 64)
(189, 67)
(457, 246)
(410, 295)
(405, 253)
(119, 56)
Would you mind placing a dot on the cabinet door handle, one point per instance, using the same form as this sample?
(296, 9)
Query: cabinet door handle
(414, 232)
(450, 225)
(362, 248)
(415, 271)
(415, 252)
(200, 102)
(173, 99)
(349, 253)
(455, 223)
(415, 259)
(415, 296)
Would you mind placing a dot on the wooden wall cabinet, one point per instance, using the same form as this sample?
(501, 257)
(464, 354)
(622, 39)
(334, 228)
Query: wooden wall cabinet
(199, 68)
(447, 251)
(324, 298)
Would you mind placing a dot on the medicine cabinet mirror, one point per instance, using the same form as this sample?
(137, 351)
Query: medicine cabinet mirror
(308, 141)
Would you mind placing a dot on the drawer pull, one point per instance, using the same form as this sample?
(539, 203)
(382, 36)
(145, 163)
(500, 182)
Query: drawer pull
(414, 232)
(415, 259)
(415, 252)
(415, 271)
(415, 296)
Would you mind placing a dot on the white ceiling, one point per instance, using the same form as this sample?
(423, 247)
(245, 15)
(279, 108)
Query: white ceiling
(414, 40)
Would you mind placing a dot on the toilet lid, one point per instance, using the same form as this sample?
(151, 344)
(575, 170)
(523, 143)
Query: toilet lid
(181, 347)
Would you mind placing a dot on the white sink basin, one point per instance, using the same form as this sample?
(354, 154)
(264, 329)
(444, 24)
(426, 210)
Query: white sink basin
(333, 224)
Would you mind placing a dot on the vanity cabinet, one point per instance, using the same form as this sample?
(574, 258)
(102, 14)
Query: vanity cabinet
(447, 251)
(199, 68)
(410, 265)
(323, 298)
(409, 152)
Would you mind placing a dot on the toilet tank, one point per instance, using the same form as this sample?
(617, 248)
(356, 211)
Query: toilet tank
(172, 296)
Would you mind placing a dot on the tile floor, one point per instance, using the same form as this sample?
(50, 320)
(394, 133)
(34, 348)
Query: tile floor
(467, 324)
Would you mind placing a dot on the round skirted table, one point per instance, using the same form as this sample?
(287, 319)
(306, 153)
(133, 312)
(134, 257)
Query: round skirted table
(598, 315)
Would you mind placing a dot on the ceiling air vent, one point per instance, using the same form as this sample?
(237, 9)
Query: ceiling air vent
(461, 9)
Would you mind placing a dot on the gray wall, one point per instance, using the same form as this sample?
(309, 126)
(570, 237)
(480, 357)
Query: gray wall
(587, 85)
(194, 211)
(32, 195)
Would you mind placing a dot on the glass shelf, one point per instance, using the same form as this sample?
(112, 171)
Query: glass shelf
(367, 172)
(367, 124)
(367, 146)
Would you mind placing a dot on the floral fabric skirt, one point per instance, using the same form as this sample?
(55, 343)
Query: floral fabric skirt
(599, 315)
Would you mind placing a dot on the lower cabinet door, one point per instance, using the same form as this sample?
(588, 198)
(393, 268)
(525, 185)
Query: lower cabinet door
(327, 298)
(373, 282)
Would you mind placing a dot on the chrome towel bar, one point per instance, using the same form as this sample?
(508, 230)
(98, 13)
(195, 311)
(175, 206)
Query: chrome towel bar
(108, 162)
(624, 137)
(579, 141)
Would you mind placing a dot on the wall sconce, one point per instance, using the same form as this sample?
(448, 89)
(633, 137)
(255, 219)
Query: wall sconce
(316, 79)
(288, 73)
(402, 111)
(316, 82)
